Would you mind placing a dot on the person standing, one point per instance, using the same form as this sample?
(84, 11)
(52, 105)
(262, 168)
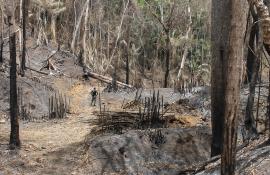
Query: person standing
(94, 94)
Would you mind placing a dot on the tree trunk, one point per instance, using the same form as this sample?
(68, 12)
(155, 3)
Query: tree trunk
(237, 13)
(219, 35)
(14, 134)
(108, 80)
(250, 125)
(251, 49)
(118, 35)
(114, 78)
(255, 46)
(1, 49)
(1, 38)
(263, 14)
(127, 66)
(268, 106)
(167, 55)
(53, 28)
(127, 51)
(85, 33)
(249, 116)
(77, 28)
(187, 46)
(23, 37)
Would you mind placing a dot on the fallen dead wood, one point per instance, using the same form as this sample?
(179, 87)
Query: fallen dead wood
(107, 80)
(44, 73)
(40, 72)
(193, 169)
(48, 63)
(196, 168)
(248, 158)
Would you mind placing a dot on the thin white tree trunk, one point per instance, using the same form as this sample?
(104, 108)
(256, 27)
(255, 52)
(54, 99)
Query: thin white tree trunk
(85, 34)
(21, 21)
(118, 36)
(53, 28)
(186, 46)
(108, 42)
(75, 14)
(77, 27)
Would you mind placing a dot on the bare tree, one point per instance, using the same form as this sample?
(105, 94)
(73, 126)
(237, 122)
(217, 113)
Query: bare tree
(219, 35)
(24, 15)
(238, 13)
(14, 134)
(1, 36)
(167, 26)
(264, 17)
(268, 107)
(253, 66)
(186, 46)
(78, 25)
(227, 37)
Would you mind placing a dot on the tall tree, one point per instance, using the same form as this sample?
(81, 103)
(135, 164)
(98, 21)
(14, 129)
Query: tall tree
(219, 35)
(167, 26)
(262, 8)
(1, 36)
(252, 45)
(268, 106)
(227, 43)
(237, 26)
(127, 45)
(253, 66)
(14, 134)
(23, 16)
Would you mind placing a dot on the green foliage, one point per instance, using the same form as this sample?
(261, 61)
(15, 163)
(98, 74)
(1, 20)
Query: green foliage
(199, 54)
(141, 3)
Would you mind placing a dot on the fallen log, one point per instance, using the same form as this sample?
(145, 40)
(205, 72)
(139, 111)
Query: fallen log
(44, 73)
(193, 169)
(107, 80)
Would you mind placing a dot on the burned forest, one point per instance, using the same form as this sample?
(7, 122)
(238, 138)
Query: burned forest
(134, 87)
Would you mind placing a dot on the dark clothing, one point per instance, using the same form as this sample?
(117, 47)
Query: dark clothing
(94, 94)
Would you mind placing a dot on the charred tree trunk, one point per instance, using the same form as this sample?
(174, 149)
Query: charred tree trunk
(1, 38)
(219, 35)
(249, 116)
(114, 76)
(251, 49)
(14, 134)
(114, 80)
(238, 14)
(127, 66)
(24, 21)
(167, 55)
(1, 48)
(253, 72)
(250, 125)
